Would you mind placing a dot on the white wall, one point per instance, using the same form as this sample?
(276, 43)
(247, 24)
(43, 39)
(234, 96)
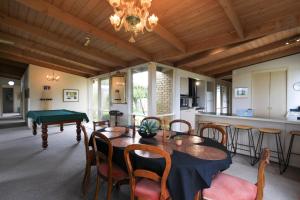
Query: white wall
(37, 79)
(243, 78)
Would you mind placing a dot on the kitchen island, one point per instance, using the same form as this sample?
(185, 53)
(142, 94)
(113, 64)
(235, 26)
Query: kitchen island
(269, 141)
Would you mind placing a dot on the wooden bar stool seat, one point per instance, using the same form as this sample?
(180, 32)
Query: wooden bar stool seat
(279, 150)
(293, 134)
(270, 130)
(250, 146)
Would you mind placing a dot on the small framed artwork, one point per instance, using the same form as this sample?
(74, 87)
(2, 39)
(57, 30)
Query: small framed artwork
(118, 88)
(241, 92)
(70, 95)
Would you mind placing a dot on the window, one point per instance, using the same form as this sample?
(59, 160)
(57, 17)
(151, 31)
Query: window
(140, 92)
(95, 99)
(104, 99)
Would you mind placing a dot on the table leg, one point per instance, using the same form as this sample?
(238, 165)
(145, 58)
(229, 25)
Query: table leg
(78, 130)
(45, 135)
(34, 126)
(61, 127)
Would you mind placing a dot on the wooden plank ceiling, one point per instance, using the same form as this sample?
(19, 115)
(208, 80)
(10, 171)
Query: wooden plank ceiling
(12, 69)
(211, 37)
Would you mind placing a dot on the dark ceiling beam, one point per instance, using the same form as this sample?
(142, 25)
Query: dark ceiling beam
(77, 60)
(89, 52)
(221, 40)
(60, 15)
(46, 59)
(13, 63)
(9, 75)
(34, 61)
(254, 60)
(215, 65)
(232, 16)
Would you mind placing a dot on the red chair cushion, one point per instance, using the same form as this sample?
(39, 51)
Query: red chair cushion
(229, 187)
(148, 189)
(117, 172)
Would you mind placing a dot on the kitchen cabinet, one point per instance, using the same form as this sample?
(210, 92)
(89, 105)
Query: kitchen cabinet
(184, 86)
(269, 94)
(188, 115)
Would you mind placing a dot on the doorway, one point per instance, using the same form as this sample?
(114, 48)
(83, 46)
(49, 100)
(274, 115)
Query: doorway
(8, 100)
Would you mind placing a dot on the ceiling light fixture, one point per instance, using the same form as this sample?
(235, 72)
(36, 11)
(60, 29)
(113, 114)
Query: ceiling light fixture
(133, 15)
(52, 77)
(298, 40)
(87, 41)
(11, 83)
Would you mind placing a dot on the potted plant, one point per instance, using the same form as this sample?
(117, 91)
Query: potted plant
(148, 129)
(178, 140)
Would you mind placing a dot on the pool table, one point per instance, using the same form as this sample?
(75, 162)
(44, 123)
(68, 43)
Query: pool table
(51, 117)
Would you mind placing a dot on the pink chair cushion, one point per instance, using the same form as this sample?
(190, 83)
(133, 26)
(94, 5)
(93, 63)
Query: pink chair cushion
(229, 187)
(117, 172)
(148, 189)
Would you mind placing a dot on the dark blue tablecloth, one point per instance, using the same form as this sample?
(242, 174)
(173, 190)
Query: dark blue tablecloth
(188, 174)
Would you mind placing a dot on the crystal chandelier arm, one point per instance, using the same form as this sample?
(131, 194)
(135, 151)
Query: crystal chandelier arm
(118, 27)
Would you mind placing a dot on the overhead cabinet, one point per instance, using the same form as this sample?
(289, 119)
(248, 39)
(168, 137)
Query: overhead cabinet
(269, 94)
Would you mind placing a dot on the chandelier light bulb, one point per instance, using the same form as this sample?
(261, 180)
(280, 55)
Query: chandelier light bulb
(115, 20)
(114, 3)
(146, 3)
(153, 20)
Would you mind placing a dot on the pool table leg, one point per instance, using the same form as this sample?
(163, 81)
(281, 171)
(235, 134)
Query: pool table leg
(78, 130)
(61, 127)
(34, 126)
(45, 135)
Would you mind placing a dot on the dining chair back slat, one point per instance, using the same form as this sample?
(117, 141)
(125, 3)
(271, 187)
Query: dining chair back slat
(261, 173)
(103, 124)
(181, 121)
(134, 174)
(216, 129)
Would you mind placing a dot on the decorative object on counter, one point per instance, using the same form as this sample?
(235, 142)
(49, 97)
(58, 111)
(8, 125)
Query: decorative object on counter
(245, 112)
(116, 114)
(178, 140)
(52, 77)
(241, 92)
(148, 129)
(70, 95)
(296, 86)
(118, 88)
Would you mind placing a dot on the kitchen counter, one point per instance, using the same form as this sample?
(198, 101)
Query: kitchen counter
(285, 121)
(269, 141)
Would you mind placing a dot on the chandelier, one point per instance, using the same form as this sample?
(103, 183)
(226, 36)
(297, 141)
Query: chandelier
(133, 15)
(52, 77)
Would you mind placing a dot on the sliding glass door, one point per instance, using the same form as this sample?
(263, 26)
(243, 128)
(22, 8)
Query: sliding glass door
(104, 99)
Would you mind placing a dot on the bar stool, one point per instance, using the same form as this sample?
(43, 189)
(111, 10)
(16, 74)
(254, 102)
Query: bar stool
(203, 123)
(293, 134)
(250, 145)
(227, 128)
(279, 151)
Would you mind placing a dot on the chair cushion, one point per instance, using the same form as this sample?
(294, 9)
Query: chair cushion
(117, 172)
(233, 188)
(148, 189)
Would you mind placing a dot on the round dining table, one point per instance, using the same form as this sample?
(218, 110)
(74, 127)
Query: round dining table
(194, 163)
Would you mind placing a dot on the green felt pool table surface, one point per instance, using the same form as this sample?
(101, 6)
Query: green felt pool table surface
(48, 116)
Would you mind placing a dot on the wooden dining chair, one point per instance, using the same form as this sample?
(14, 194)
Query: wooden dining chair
(216, 130)
(181, 121)
(145, 184)
(233, 188)
(90, 160)
(106, 169)
(102, 124)
(155, 119)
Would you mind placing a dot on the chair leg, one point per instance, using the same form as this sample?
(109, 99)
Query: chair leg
(289, 152)
(236, 136)
(281, 161)
(252, 147)
(97, 187)
(86, 178)
(109, 188)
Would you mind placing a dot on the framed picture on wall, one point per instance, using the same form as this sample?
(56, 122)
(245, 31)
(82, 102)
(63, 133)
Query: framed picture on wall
(241, 92)
(70, 95)
(118, 88)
